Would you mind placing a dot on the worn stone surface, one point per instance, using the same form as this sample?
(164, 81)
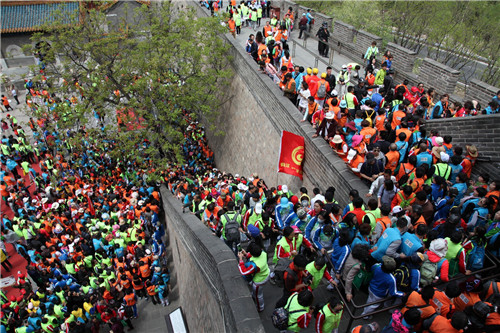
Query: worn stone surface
(213, 296)
(481, 92)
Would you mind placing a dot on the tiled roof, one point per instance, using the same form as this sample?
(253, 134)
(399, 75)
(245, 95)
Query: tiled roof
(31, 16)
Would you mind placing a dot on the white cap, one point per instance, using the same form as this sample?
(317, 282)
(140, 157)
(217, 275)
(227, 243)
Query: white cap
(344, 66)
(334, 93)
(284, 188)
(397, 210)
(444, 157)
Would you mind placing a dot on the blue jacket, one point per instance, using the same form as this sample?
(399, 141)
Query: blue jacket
(390, 235)
(437, 110)
(437, 192)
(280, 218)
(321, 240)
(309, 227)
(359, 239)
(383, 284)
(424, 158)
(410, 244)
(339, 255)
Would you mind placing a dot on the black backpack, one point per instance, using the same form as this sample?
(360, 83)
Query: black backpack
(232, 228)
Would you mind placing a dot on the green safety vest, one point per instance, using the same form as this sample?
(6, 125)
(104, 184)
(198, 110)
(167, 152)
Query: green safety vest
(70, 268)
(373, 215)
(261, 262)
(284, 244)
(274, 21)
(316, 274)
(349, 98)
(259, 12)
(295, 310)
(442, 170)
(453, 249)
(332, 320)
(223, 220)
(237, 19)
(254, 16)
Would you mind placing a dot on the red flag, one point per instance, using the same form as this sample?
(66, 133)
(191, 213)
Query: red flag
(291, 154)
(91, 206)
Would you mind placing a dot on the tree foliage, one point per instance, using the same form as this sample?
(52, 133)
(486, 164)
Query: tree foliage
(149, 66)
(452, 32)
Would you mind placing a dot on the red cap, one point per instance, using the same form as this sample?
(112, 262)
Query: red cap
(294, 199)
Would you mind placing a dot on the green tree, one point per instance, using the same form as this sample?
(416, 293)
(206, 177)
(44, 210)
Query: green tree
(150, 67)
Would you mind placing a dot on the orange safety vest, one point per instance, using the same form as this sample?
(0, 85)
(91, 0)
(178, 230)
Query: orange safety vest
(137, 286)
(392, 160)
(129, 299)
(385, 222)
(368, 133)
(289, 85)
(151, 290)
(145, 271)
(465, 299)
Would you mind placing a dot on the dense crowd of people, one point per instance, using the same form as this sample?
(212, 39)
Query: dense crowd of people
(424, 221)
(87, 225)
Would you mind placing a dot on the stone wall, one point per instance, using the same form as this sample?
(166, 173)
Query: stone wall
(481, 131)
(405, 57)
(480, 91)
(364, 40)
(343, 32)
(442, 77)
(213, 295)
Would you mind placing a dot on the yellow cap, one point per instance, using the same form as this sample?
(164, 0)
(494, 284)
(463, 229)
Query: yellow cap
(315, 71)
(323, 75)
(309, 70)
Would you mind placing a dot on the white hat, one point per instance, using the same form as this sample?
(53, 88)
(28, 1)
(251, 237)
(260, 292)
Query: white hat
(444, 157)
(250, 179)
(141, 202)
(329, 115)
(439, 247)
(258, 208)
(344, 66)
(337, 139)
(25, 200)
(397, 209)
(81, 210)
(439, 141)
(33, 201)
(351, 154)
(148, 251)
(334, 93)
(55, 205)
(284, 188)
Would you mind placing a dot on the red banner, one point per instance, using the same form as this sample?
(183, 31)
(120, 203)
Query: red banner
(291, 154)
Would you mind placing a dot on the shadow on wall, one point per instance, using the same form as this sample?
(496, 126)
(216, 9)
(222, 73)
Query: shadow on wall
(212, 293)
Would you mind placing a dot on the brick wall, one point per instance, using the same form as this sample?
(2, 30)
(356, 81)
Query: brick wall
(480, 91)
(364, 40)
(343, 32)
(404, 58)
(481, 131)
(213, 296)
(434, 74)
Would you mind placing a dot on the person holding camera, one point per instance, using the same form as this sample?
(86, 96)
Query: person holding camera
(296, 279)
(257, 270)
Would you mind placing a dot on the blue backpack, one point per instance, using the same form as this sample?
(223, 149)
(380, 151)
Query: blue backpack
(475, 258)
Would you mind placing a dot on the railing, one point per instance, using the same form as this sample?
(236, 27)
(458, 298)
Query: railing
(352, 312)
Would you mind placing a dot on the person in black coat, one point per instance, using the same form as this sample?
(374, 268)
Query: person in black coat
(323, 35)
(328, 127)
